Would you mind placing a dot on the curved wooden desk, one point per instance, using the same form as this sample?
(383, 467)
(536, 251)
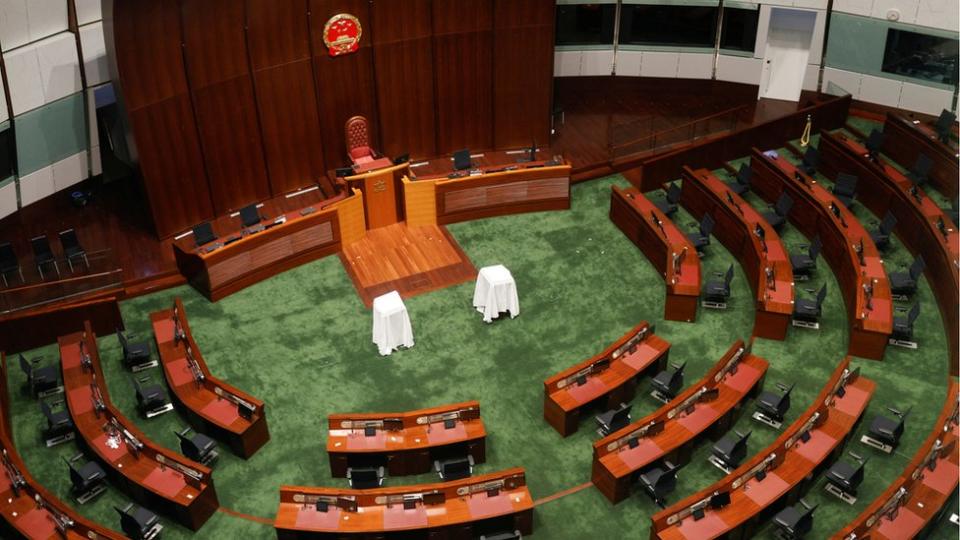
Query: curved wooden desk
(296, 233)
(379, 181)
(870, 315)
(455, 510)
(788, 463)
(610, 377)
(152, 475)
(669, 432)
(703, 193)
(915, 501)
(905, 139)
(27, 509)
(405, 443)
(213, 406)
(883, 188)
(666, 246)
(435, 194)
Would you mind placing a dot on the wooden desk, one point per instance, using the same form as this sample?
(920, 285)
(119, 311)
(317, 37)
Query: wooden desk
(609, 378)
(237, 260)
(666, 246)
(405, 443)
(870, 322)
(683, 421)
(31, 511)
(379, 182)
(703, 193)
(904, 140)
(790, 464)
(498, 186)
(883, 188)
(155, 477)
(912, 504)
(212, 406)
(451, 510)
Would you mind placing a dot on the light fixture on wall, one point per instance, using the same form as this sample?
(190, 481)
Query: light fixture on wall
(893, 14)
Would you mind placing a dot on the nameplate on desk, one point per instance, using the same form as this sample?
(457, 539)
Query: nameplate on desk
(307, 211)
(212, 248)
(231, 240)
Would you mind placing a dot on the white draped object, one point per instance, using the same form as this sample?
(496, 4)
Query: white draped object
(391, 323)
(496, 292)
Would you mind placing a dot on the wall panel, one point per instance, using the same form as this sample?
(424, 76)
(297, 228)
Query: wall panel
(218, 69)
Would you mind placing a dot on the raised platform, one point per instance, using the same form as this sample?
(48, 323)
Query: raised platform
(410, 260)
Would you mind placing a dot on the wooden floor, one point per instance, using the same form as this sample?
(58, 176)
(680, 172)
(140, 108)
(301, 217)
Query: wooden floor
(410, 260)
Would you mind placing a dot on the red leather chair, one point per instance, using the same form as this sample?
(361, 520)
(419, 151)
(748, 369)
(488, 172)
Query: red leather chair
(357, 134)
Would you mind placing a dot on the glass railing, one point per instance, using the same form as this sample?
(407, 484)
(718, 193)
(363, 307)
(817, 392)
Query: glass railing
(835, 89)
(645, 135)
(58, 282)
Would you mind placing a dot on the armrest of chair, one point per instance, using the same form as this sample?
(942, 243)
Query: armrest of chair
(895, 411)
(811, 291)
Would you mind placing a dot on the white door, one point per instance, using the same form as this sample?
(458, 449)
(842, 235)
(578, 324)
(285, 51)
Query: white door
(785, 56)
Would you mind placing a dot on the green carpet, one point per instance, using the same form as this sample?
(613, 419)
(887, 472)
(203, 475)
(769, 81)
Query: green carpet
(301, 342)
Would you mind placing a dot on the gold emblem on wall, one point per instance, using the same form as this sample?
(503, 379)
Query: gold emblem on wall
(342, 34)
(379, 186)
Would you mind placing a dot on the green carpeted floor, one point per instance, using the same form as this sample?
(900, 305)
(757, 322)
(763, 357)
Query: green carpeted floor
(301, 342)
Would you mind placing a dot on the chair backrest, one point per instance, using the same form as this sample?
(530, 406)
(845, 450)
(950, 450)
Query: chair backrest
(814, 250)
(123, 340)
(365, 475)
(944, 121)
(673, 192)
(820, 297)
(621, 415)
(811, 157)
(729, 277)
(922, 167)
(249, 215)
(679, 371)
(805, 523)
(888, 223)
(784, 204)
(25, 366)
(68, 240)
(846, 184)
(875, 141)
(137, 387)
(45, 408)
(913, 314)
(744, 174)
(203, 233)
(41, 247)
(357, 132)
(917, 267)
(706, 225)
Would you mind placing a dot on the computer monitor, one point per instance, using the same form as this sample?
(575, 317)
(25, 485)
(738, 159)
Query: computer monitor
(343, 171)
(461, 160)
(633, 442)
(581, 380)
(249, 215)
(719, 500)
(402, 158)
(203, 233)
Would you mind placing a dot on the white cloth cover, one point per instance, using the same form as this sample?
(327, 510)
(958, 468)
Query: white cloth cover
(496, 291)
(391, 323)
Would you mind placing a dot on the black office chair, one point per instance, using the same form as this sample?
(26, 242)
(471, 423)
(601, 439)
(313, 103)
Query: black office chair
(455, 468)
(87, 478)
(669, 205)
(72, 248)
(794, 521)
(717, 292)
(874, 143)
(730, 451)
(504, 535)
(777, 215)
(845, 188)
(659, 481)
(772, 407)
(198, 446)
(59, 425)
(805, 264)
(461, 160)
(613, 420)
(249, 216)
(903, 321)
(9, 263)
(136, 355)
(151, 398)
(810, 161)
(904, 284)
(806, 312)
(41, 381)
(139, 523)
(920, 170)
(365, 477)
(944, 125)
(741, 183)
(885, 432)
(668, 382)
(43, 255)
(844, 477)
(881, 236)
(701, 237)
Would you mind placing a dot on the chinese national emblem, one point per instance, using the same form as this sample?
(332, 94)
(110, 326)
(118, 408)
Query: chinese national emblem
(341, 34)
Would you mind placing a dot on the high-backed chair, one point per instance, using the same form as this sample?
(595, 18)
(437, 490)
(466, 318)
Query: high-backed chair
(741, 183)
(41, 381)
(885, 432)
(669, 205)
(9, 263)
(730, 451)
(613, 420)
(804, 264)
(921, 168)
(72, 248)
(944, 124)
(87, 478)
(806, 312)
(136, 355)
(59, 425)
(198, 446)
(357, 136)
(151, 398)
(845, 188)
(454, 468)
(874, 143)
(659, 481)
(668, 382)
(810, 161)
(904, 284)
(43, 255)
(903, 321)
(777, 215)
(794, 521)
(717, 291)
(844, 477)
(772, 407)
(365, 477)
(881, 236)
(701, 237)
(139, 523)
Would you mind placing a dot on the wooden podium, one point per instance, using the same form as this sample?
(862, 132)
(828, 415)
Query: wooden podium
(380, 186)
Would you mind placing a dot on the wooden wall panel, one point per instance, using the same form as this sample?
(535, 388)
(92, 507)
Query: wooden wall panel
(345, 84)
(278, 37)
(146, 38)
(218, 69)
(403, 59)
(463, 64)
(522, 65)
